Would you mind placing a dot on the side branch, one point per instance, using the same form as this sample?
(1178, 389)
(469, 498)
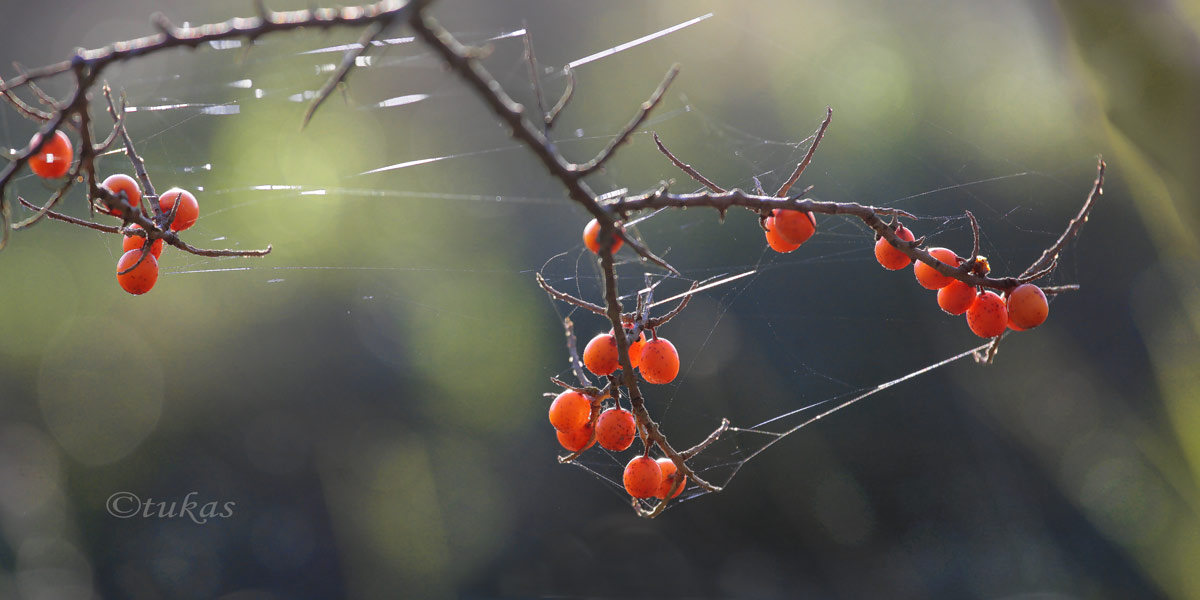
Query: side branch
(783, 190)
(638, 119)
(1050, 255)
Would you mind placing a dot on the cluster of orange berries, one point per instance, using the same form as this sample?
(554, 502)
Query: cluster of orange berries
(614, 429)
(988, 314)
(54, 161)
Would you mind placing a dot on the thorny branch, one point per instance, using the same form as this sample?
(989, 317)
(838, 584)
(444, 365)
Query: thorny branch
(87, 65)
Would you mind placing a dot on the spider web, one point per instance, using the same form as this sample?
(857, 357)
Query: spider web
(157, 117)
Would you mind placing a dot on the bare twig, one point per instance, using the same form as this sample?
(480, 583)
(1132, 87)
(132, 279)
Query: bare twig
(167, 236)
(708, 441)
(787, 185)
(573, 352)
(343, 69)
(686, 168)
(535, 78)
(1051, 254)
(28, 110)
(562, 100)
(643, 112)
(139, 165)
(54, 216)
(970, 264)
(565, 297)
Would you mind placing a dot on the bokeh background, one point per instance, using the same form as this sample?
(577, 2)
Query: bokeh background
(370, 395)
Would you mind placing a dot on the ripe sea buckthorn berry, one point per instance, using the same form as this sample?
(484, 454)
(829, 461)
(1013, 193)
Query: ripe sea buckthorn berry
(133, 241)
(796, 226)
(140, 280)
(889, 256)
(591, 238)
(600, 355)
(660, 361)
(957, 297)
(615, 429)
(54, 159)
(189, 209)
(1013, 326)
(635, 347)
(120, 182)
(642, 477)
(668, 479)
(988, 316)
(570, 411)
(776, 240)
(928, 277)
(577, 440)
(1027, 306)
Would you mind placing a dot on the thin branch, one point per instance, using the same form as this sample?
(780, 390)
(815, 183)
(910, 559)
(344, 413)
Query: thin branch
(562, 100)
(708, 441)
(534, 76)
(55, 216)
(1051, 254)
(463, 62)
(167, 236)
(870, 215)
(28, 110)
(573, 352)
(343, 69)
(139, 165)
(565, 297)
(970, 264)
(643, 112)
(250, 28)
(686, 168)
(663, 320)
(787, 185)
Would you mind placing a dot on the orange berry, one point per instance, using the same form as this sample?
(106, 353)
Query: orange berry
(776, 240)
(796, 226)
(577, 440)
(1013, 326)
(141, 279)
(54, 159)
(591, 238)
(889, 256)
(642, 477)
(600, 355)
(1027, 306)
(988, 316)
(570, 411)
(660, 361)
(957, 297)
(928, 277)
(120, 182)
(635, 347)
(134, 241)
(668, 479)
(615, 429)
(189, 209)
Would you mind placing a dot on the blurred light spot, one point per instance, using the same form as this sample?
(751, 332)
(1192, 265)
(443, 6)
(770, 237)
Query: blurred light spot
(282, 540)
(29, 469)
(100, 390)
(52, 569)
(277, 443)
(841, 506)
